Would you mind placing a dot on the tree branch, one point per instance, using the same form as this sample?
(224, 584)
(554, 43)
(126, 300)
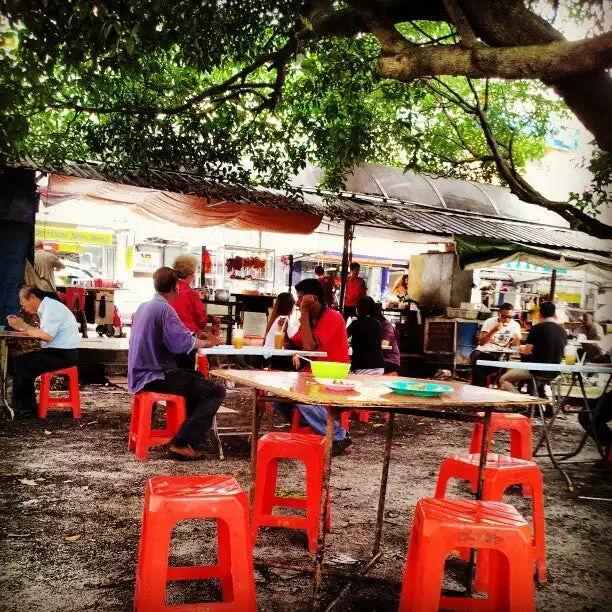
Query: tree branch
(459, 20)
(550, 61)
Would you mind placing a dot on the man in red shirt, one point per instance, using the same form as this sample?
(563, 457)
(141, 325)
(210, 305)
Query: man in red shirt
(321, 329)
(327, 282)
(355, 289)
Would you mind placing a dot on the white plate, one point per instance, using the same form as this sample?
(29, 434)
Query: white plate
(337, 384)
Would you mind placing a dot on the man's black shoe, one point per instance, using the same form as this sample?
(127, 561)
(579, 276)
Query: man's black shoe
(341, 447)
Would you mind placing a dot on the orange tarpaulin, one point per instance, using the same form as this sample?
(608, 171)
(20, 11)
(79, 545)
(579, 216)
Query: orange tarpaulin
(182, 209)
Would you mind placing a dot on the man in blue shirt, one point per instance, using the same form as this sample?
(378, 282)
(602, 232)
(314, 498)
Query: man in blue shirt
(157, 336)
(59, 336)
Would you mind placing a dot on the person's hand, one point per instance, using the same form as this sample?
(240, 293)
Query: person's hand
(498, 326)
(308, 304)
(296, 362)
(16, 322)
(210, 340)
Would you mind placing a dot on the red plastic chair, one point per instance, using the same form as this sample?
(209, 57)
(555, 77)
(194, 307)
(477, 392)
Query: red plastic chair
(441, 526)
(307, 448)
(500, 473)
(141, 435)
(72, 401)
(171, 499)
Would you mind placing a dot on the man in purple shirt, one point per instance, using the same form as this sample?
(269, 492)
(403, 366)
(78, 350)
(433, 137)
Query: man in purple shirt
(157, 336)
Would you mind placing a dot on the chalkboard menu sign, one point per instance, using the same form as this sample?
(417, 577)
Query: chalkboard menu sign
(440, 337)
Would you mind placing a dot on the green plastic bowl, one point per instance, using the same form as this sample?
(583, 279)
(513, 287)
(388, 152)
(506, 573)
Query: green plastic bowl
(330, 369)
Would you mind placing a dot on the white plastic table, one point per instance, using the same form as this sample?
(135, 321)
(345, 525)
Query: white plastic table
(261, 351)
(577, 371)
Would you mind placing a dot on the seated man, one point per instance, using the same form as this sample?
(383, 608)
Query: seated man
(603, 415)
(157, 335)
(321, 329)
(500, 332)
(545, 344)
(59, 335)
(592, 331)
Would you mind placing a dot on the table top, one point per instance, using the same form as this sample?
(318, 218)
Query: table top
(371, 392)
(262, 351)
(586, 368)
(13, 334)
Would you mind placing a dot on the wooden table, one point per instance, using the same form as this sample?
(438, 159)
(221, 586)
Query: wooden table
(462, 404)
(577, 371)
(5, 336)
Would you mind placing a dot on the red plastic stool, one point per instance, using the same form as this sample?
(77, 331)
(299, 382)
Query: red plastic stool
(521, 437)
(72, 401)
(171, 499)
(307, 448)
(519, 427)
(441, 526)
(306, 429)
(141, 435)
(501, 472)
(202, 364)
(364, 415)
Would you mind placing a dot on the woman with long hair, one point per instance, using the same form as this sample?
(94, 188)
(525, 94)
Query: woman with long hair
(400, 289)
(366, 339)
(282, 309)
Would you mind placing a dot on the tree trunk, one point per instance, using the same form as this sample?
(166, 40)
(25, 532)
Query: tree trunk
(506, 23)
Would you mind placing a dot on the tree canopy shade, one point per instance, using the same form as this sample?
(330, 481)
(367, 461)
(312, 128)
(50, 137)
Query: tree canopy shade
(252, 89)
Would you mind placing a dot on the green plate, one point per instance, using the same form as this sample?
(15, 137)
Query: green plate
(418, 389)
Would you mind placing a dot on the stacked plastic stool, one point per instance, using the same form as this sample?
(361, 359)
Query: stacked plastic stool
(441, 526)
(307, 448)
(501, 472)
(141, 436)
(72, 401)
(519, 426)
(521, 437)
(171, 499)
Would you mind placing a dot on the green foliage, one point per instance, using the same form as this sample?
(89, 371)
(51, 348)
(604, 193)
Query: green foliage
(599, 194)
(122, 83)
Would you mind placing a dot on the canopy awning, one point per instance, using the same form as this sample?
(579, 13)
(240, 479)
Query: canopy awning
(478, 253)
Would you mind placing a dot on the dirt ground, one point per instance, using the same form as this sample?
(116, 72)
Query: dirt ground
(71, 503)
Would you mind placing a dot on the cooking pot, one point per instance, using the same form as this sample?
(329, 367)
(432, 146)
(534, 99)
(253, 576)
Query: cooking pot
(221, 295)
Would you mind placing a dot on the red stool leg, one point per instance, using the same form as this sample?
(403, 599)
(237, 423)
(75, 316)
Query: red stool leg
(364, 416)
(314, 483)
(224, 560)
(152, 564)
(476, 442)
(74, 393)
(134, 422)
(144, 429)
(45, 388)
(344, 419)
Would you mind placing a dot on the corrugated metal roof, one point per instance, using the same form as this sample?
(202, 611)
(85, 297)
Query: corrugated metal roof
(450, 224)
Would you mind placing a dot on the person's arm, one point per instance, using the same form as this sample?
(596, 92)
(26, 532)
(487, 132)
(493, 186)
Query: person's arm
(487, 334)
(308, 339)
(57, 263)
(34, 332)
(527, 349)
(350, 330)
(176, 337)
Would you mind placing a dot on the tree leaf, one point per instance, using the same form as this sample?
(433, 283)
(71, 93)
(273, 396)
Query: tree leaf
(73, 538)
(28, 482)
